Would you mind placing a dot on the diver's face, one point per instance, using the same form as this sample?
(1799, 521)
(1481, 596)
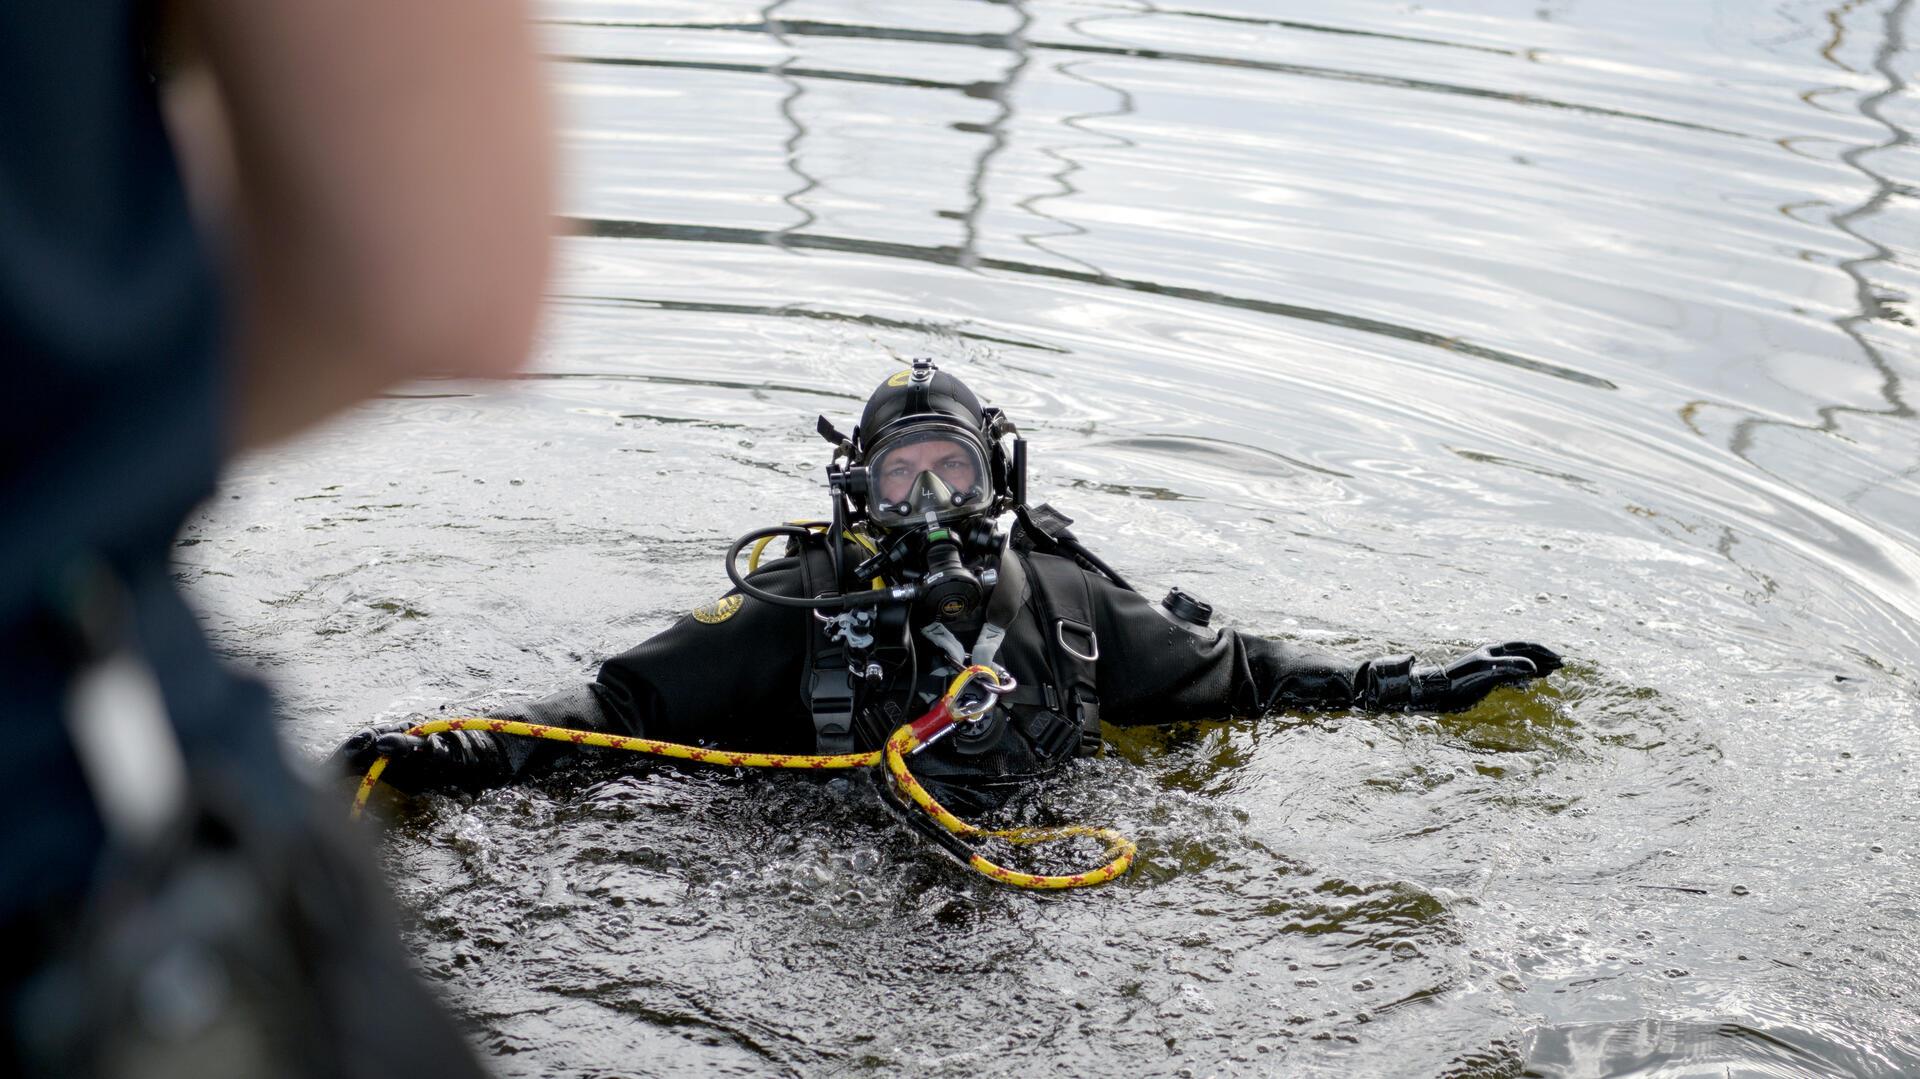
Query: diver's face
(945, 458)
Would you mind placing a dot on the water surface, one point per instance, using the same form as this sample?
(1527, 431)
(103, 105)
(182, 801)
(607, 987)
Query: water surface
(1384, 327)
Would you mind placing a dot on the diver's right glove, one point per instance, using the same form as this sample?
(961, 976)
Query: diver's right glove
(1393, 683)
(469, 761)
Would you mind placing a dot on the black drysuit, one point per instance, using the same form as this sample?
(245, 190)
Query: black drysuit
(733, 675)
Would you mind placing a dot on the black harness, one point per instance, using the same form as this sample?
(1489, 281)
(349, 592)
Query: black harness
(1057, 710)
(1069, 692)
(826, 681)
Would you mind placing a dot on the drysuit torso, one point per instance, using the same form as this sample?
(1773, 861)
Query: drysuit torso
(1036, 626)
(741, 674)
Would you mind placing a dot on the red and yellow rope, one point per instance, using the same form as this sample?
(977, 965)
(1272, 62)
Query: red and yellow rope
(1120, 849)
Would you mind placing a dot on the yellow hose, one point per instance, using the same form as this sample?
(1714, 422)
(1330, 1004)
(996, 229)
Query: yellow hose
(1120, 849)
(760, 546)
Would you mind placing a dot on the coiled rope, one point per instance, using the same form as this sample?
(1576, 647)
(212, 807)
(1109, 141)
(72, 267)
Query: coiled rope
(903, 742)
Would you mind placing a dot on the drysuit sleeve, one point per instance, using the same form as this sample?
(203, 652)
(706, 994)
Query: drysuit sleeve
(1153, 670)
(726, 674)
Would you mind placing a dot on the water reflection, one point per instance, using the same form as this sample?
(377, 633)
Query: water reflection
(857, 318)
(958, 256)
(1078, 122)
(785, 72)
(789, 111)
(1001, 93)
(1874, 304)
(1014, 42)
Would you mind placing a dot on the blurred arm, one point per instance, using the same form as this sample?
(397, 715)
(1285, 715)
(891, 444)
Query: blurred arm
(381, 172)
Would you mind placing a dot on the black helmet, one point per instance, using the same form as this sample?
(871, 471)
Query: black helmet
(920, 391)
(927, 450)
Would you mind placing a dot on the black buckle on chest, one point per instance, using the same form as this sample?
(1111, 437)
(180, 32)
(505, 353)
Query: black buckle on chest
(1051, 734)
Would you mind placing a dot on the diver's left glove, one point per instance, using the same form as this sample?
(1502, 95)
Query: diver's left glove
(1393, 682)
(468, 761)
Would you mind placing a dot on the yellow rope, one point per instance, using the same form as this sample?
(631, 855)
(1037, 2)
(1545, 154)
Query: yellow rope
(1120, 849)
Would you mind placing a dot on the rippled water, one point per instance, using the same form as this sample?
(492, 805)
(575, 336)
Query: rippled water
(1382, 326)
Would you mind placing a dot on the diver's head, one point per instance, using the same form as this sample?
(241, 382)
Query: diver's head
(927, 468)
(927, 450)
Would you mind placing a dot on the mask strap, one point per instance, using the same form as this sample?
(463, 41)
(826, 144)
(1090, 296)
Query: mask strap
(943, 637)
(1009, 595)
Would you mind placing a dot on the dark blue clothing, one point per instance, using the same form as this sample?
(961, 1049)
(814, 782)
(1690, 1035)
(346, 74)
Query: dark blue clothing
(113, 375)
(113, 380)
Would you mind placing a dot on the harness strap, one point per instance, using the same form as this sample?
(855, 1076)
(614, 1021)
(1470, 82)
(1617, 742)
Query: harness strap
(943, 638)
(826, 685)
(1066, 622)
(1009, 596)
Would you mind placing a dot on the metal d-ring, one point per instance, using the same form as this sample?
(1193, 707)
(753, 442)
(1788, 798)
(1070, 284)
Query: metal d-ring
(1093, 640)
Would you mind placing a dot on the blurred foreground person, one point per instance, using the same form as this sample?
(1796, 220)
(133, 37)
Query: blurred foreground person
(371, 182)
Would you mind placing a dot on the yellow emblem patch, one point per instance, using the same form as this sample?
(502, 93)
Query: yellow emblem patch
(900, 378)
(718, 611)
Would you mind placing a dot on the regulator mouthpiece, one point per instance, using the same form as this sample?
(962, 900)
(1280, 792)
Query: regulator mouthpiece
(950, 592)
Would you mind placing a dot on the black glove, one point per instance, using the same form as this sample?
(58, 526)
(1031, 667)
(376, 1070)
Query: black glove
(1393, 683)
(458, 760)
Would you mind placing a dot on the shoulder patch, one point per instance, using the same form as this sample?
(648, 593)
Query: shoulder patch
(899, 378)
(718, 611)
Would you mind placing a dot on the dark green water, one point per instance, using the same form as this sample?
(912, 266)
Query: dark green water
(1383, 326)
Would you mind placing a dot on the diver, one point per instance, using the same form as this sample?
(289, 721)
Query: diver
(866, 616)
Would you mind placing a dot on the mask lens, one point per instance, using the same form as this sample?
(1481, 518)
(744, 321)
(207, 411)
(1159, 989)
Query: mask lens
(934, 473)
